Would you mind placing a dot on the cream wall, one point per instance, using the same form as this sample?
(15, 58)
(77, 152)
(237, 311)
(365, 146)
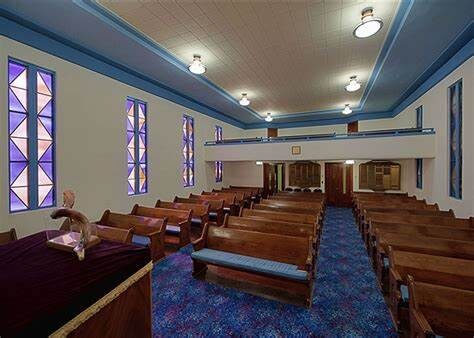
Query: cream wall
(435, 171)
(91, 145)
(243, 173)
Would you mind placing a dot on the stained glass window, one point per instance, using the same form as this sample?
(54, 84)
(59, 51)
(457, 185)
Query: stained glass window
(455, 139)
(188, 151)
(136, 146)
(31, 137)
(419, 173)
(419, 117)
(218, 166)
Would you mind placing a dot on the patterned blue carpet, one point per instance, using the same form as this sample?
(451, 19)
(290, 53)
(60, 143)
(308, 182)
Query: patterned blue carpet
(347, 302)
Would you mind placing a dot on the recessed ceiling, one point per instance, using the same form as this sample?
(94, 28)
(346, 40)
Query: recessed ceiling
(289, 56)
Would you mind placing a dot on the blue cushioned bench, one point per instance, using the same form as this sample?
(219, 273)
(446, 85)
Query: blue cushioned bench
(284, 262)
(266, 266)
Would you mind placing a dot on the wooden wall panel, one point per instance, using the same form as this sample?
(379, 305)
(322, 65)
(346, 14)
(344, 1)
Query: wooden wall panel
(379, 175)
(305, 174)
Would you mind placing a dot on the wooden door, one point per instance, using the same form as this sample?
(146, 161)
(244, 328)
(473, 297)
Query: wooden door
(269, 178)
(338, 184)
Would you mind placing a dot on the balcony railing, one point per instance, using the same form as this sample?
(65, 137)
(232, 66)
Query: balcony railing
(325, 137)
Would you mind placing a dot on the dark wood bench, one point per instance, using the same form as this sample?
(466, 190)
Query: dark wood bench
(447, 271)
(178, 225)
(319, 205)
(291, 258)
(241, 198)
(437, 310)
(277, 215)
(257, 192)
(296, 210)
(230, 204)
(200, 211)
(149, 227)
(216, 206)
(286, 228)
(8, 236)
(114, 234)
(420, 244)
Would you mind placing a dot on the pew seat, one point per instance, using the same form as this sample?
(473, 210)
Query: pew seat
(248, 263)
(440, 311)
(285, 261)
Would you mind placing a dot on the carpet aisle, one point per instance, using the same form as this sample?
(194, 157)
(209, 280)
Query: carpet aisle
(346, 300)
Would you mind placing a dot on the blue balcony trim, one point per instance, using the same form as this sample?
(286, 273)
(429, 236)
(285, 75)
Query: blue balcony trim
(324, 137)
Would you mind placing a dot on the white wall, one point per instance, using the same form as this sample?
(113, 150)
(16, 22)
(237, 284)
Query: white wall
(91, 145)
(435, 171)
(243, 173)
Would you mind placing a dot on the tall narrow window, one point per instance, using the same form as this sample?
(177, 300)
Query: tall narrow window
(31, 137)
(419, 117)
(419, 173)
(218, 164)
(188, 151)
(136, 146)
(455, 139)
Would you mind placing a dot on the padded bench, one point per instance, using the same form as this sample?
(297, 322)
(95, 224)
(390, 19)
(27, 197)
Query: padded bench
(231, 260)
(284, 262)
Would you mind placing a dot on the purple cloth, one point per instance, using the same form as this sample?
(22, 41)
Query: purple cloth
(43, 288)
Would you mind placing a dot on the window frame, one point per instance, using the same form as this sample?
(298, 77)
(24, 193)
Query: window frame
(455, 192)
(218, 165)
(136, 136)
(419, 173)
(32, 116)
(188, 161)
(419, 116)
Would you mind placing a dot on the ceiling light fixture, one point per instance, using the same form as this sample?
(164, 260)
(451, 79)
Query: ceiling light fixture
(259, 163)
(349, 161)
(197, 67)
(347, 110)
(244, 101)
(269, 117)
(369, 25)
(353, 85)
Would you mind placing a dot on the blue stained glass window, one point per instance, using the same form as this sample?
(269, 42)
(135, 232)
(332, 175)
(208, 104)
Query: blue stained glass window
(31, 113)
(455, 139)
(218, 166)
(419, 117)
(137, 162)
(188, 151)
(419, 173)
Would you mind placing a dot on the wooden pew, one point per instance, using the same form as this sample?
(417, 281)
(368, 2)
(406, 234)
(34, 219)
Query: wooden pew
(419, 230)
(241, 198)
(452, 272)
(277, 215)
(273, 227)
(296, 251)
(294, 204)
(419, 244)
(216, 206)
(114, 234)
(152, 228)
(296, 210)
(230, 203)
(200, 211)
(8, 236)
(406, 209)
(178, 225)
(256, 191)
(437, 310)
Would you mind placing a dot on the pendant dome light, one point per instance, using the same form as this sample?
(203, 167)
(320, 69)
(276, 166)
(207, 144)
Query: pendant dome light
(244, 101)
(369, 25)
(347, 110)
(197, 67)
(353, 85)
(269, 117)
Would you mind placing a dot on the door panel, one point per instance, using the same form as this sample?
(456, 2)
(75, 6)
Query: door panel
(338, 184)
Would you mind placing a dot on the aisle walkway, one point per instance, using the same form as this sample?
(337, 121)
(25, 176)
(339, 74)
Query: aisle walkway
(346, 299)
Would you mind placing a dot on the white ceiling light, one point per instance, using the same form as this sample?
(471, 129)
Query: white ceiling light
(347, 110)
(369, 25)
(259, 163)
(269, 117)
(197, 67)
(244, 101)
(349, 161)
(353, 85)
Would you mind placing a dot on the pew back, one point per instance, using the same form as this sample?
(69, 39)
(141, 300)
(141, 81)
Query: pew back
(437, 231)
(420, 219)
(279, 208)
(174, 216)
(198, 210)
(280, 216)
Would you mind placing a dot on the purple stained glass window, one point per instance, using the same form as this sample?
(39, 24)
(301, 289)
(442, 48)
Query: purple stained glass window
(31, 137)
(218, 166)
(137, 175)
(188, 151)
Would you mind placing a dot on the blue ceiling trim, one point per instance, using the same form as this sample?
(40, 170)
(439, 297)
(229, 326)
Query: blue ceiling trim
(123, 27)
(18, 29)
